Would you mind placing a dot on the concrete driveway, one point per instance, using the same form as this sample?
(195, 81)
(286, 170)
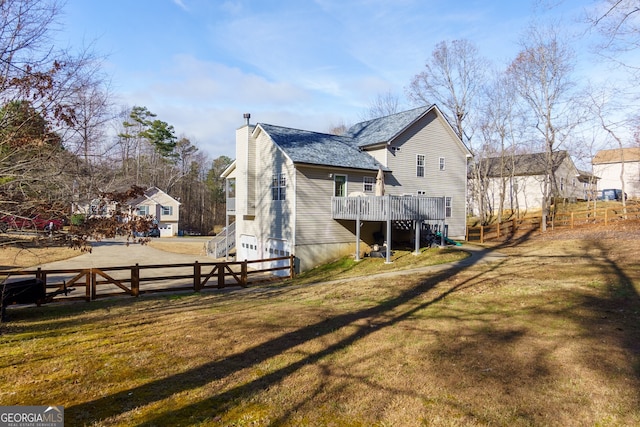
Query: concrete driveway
(116, 252)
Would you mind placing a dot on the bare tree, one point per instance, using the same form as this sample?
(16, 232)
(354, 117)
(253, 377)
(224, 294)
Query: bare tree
(618, 22)
(618, 126)
(339, 128)
(542, 74)
(384, 104)
(453, 79)
(500, 126)
(36, 84)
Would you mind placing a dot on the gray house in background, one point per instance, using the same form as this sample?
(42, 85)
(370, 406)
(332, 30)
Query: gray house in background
(520, 180)
(314, 195)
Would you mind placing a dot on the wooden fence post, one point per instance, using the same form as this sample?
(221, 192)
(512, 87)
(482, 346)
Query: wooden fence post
(244, 276)
(94, 285)
(88, 285)
(498, 231)
(481, 234)
(572, 220)
(220, 275)
(606, 216)
(196, 276)
(292, 266)
(135, 280)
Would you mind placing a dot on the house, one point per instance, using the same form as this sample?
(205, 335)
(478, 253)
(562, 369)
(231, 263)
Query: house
(519, 181)
(608, 164)
(314, 194)
(164, 208)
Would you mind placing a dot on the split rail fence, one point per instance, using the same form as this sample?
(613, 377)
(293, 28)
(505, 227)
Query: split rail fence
(93, 283)
(569, 220)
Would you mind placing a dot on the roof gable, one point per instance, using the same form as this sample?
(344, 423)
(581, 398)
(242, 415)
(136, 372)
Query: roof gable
(155, 195)
(384, 129)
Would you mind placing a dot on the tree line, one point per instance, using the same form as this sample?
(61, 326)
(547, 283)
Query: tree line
(535, 102)
(57, 122)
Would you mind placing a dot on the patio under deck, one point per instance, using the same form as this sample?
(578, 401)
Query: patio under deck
(388, 208)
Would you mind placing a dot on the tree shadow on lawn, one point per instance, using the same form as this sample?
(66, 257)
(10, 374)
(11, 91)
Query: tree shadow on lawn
(161, 389)
(535, 366)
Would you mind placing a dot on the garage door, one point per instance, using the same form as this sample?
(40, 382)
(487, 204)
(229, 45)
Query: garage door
(247, 248)
(277, 248)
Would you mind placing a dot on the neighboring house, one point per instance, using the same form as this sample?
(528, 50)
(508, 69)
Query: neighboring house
(164, 208)
(314, 195)
(520, 180)
(607, 164)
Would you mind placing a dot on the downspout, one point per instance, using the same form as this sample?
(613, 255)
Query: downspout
(358, 229)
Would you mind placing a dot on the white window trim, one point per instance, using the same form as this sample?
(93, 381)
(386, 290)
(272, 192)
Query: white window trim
(419, 164)
(368, 181)
(279, 187)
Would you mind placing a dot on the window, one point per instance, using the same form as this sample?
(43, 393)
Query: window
(441, 162)
(340, 185)
(143, 210)
(447, 207)
(368, 183)
(167, 210)
(279, 187)
(420, 165)
(561, 184)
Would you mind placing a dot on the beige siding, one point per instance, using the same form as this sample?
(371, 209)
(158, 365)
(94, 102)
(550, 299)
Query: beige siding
(315, 187)
(432, 138)
(246, 169)
(269, 219)
(609, 174)
(380, 154)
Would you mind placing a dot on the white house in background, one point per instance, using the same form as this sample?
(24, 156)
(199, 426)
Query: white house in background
(520, 179)
(607, 164)
(313, 194)
(164, 208)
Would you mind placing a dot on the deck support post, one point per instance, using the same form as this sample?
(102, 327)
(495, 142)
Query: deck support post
(418, 226)
(358, 230)
(388, 250)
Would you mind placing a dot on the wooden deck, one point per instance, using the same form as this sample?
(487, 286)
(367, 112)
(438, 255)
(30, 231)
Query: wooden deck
(385, 208)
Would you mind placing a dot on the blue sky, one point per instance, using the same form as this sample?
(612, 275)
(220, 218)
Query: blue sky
(310, 64)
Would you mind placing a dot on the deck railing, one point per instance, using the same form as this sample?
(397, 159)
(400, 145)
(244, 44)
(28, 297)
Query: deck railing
(382, 208)
(223, 242)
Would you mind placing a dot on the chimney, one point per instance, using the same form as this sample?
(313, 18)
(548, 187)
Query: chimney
(247, 116)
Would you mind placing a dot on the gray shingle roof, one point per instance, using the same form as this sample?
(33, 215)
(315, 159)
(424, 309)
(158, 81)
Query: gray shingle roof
(320, 149)
(521, 164)
(383, 129)
(342, 151)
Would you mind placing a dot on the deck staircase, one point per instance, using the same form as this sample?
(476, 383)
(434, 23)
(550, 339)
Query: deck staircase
(223, 242)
